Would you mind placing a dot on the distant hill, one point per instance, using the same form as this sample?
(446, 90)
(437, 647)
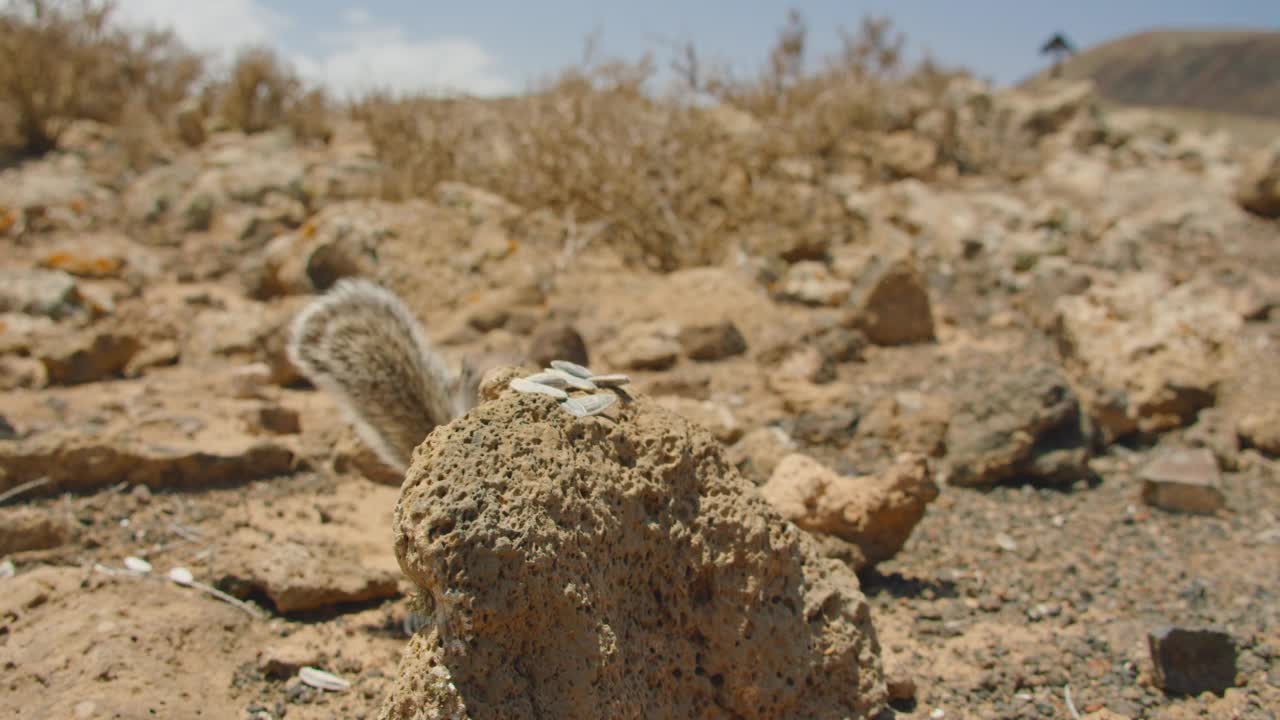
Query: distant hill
(1216, 71)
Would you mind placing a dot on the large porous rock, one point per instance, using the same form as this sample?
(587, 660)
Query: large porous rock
(616, 566)
(875, 513)
(1024, 424)
(1144, 356)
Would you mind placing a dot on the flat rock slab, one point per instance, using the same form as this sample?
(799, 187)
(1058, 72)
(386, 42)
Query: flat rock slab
(167, 431)
(299, 577)
(29, 528)
(1183, 480)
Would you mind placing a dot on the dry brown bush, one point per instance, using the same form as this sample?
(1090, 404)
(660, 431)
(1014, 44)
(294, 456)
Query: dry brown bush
(677, 179)
(263, 92)
(63, 60)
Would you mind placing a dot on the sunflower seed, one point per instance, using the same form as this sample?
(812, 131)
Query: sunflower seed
(572, 368)
(613, 380)
(589, 404)
(137, 565)
(322, 680)
(181, 575)
(571, 380)
(551, 378)
(525, 386)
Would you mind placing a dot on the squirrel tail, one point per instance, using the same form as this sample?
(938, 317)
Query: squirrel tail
(361, 344)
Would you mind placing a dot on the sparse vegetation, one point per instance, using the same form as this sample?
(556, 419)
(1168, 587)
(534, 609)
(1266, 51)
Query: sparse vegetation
(63, 60)
(68, 60)
(262, 92)
(676, 176)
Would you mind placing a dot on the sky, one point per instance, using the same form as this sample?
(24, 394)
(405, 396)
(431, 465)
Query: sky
(497, 48)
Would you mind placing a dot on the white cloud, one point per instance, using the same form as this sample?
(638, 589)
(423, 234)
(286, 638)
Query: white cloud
(217, 26)
(368, 55)
(401, 66)
(362, 55)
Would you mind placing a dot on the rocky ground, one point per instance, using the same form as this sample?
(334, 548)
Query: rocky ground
(1082, 355)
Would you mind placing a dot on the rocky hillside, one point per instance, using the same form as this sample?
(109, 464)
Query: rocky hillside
(1214, 71)
(944, 402)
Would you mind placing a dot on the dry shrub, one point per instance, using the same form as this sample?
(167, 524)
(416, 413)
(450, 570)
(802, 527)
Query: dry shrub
(820, 109)
(63, 60)
(262, 93)
(676, 179)
(592, 146)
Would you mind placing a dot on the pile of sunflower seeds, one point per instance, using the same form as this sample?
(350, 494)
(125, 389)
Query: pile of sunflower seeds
(563, 377)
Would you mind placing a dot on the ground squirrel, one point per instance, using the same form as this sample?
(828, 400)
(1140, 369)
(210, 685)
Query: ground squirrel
(360, 343)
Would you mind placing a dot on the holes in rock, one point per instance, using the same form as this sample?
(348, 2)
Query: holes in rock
(700, 591)
(444, 527)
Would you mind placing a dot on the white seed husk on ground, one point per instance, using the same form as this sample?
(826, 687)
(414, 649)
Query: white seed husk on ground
(320, 679)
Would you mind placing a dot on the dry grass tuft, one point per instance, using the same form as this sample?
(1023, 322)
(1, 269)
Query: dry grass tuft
(63, 60)
(679, 178)
(263, 92)
(68, 60)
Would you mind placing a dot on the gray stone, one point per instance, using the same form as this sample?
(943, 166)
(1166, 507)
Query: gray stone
(557, 341)
(891, 305)
(1017, 425)
(1183, 480)
(715, 341)
(48, 293)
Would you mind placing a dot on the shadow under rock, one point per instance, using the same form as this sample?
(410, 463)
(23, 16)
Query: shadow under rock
(897, 585)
